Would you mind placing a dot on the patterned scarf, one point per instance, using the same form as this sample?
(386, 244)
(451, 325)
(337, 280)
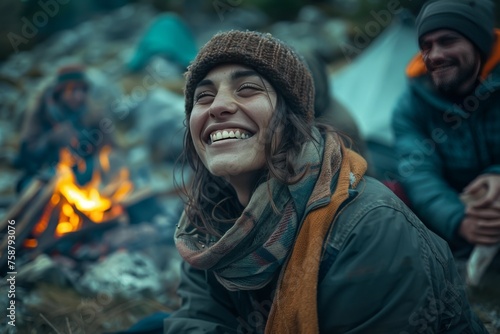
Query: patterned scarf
(249, 254)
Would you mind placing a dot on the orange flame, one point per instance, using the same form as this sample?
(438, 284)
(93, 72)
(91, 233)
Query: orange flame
(74, 200)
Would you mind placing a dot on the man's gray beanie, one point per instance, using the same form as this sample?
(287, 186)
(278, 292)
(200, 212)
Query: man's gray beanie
(474, 19)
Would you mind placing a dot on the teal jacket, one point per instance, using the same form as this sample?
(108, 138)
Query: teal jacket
(382, 271)
(444, 145)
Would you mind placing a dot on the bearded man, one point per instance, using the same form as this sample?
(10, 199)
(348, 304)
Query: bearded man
(447, 123)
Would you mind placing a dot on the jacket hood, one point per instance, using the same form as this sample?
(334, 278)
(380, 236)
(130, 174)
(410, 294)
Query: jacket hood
(416, 67)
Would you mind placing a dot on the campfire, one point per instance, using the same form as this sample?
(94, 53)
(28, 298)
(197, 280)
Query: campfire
(72, 206)
(93, 250)
(50, 210)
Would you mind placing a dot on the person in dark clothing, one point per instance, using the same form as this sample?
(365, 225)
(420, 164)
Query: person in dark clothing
(282, 230)
(447, 123)
(329, 110)
(61, 118)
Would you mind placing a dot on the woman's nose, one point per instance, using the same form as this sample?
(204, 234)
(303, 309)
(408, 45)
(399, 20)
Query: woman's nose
(223, 105)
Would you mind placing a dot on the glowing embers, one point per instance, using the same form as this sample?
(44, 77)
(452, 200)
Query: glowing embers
(73, 206)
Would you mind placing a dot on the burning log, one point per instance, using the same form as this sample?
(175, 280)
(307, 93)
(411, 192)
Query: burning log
(29, 219)
(137, 197)
(80, 235)
(26, 197)
(48, 212)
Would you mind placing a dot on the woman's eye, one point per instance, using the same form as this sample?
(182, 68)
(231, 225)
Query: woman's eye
(249, 87)
(203, 96)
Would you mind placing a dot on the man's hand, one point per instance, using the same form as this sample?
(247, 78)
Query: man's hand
(481, 197)
(490, 183)
(480, 231)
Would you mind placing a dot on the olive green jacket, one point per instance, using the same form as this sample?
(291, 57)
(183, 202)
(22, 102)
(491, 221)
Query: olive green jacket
(382, 271)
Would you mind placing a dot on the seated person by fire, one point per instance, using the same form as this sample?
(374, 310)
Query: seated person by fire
(82, 206)
(63, 116)
(65, 149)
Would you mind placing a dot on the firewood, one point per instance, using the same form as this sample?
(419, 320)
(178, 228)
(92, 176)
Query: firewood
(109, 190)
(29, 219)
(88, 230)
(27, 196)
(136, 197)
(50, 231)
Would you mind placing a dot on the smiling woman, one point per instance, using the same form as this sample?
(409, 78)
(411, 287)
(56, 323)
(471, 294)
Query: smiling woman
(282, 232)
(232, 110)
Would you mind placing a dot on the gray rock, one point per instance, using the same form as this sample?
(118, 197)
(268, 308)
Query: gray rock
(123, 274)
(323, 36)
(160, 117)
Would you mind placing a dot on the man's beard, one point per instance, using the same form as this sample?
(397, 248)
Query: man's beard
(451, 86)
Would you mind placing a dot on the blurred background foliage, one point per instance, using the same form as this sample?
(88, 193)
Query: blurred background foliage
(14, 14)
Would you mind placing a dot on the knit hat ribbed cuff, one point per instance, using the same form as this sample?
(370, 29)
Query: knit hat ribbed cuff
(271, 58)
(468, 29)
(474, 19)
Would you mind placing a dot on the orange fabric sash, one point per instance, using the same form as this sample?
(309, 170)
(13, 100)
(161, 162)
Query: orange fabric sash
(294, 309)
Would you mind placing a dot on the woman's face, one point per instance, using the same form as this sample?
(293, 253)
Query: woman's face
(232, 108)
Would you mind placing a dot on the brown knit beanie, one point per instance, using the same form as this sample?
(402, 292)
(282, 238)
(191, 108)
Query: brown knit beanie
(474, 19)
(270, 57)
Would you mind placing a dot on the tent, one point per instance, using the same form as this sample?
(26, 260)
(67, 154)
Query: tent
(370, 86)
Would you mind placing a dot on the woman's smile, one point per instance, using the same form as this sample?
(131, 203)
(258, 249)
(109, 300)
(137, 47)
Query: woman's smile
(228, 134)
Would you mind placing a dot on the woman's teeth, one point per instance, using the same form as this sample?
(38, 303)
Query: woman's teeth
(219, 135)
